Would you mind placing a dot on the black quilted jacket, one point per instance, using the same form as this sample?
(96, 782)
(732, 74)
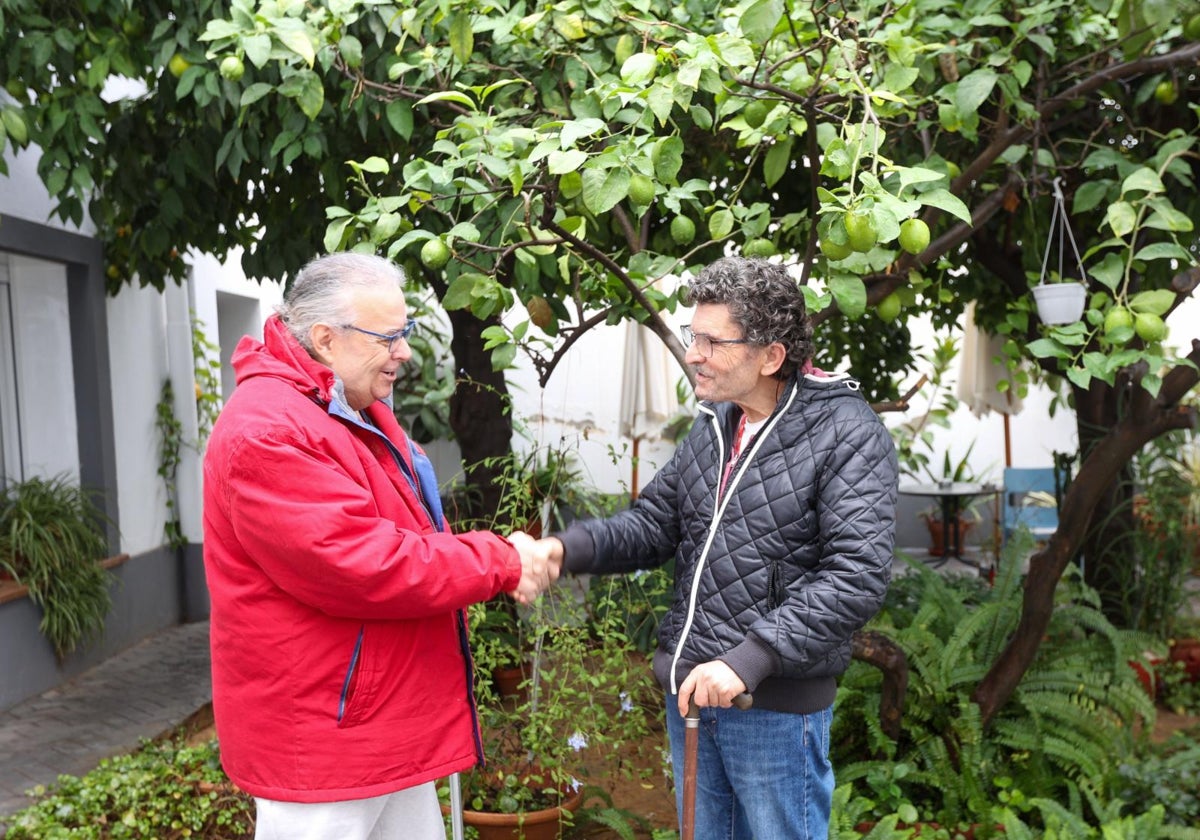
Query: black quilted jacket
(776, 575)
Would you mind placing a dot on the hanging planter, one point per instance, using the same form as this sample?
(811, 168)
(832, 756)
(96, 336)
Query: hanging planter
(1060, 302)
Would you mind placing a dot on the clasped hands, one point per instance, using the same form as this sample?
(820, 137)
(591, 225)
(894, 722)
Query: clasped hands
(541, 564)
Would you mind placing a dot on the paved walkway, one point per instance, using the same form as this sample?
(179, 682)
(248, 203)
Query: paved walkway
(142, 692)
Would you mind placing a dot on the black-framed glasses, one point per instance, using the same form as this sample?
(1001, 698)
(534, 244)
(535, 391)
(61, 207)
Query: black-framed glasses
(706, 343)
(387, 339)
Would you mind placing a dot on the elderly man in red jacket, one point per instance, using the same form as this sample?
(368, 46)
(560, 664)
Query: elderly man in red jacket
(341, 672)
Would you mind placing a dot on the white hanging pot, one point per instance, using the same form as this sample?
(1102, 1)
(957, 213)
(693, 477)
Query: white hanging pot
(1060, 303)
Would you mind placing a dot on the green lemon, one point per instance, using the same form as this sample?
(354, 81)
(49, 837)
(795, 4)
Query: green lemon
(1149, 327)
(888, 309)
(761, 248)
(641, 189)
(435, 254)
(860, 230)
(683, 230)
(1118, 318)
(232, 68)
(570, 185)
(1166, 93)
(177, 65)
(835, 250)
(914, 236)
(1191, 29)
(755, 113)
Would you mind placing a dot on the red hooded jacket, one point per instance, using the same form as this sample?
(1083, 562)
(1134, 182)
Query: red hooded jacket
(339, 653)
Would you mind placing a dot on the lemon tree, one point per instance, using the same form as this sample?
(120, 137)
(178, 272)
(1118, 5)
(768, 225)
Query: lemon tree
(556, 144)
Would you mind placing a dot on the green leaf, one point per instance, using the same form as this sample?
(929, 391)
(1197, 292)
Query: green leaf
(258, 49)
(776, 162)
(1089, 195)
(1109, 270)
(1079, 377)
(560, 163)
(850, 293)
(351, 50)
(372, 164)
(720, 224)
(575, 130)
(974, 89)
(602, 189)
(758, 22)
(335, 232)
(1144, 179)
(638, 70)
(570, 26)
(459, 293)
(1121, 217)
(14, 124)
(943, 199)
(400, 118)
(1164, 251)
(1046, 348)
(462, 37)
(448, 96)
(1152, 302)
(295, 38)
(254, 93)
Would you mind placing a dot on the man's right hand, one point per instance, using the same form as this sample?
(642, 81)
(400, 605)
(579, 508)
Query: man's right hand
(537, 569)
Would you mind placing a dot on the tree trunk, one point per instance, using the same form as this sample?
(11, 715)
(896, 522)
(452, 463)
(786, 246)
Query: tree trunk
(877, 649)
(1142, 420)
(481, 417)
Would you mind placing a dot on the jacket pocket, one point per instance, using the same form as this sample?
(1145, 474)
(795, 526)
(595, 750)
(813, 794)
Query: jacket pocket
(350, 683)
(774, 586)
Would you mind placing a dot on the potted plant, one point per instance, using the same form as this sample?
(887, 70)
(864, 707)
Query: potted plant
(588, 692)
(51, 541)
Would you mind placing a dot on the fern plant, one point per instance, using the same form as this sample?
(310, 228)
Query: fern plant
(1064, 732)
(51, 541)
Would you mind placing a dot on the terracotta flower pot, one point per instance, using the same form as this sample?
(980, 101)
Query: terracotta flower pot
(1186, 651)
(545, 824)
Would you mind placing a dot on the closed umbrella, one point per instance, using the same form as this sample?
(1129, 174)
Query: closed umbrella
(648, 398)
(982, 368)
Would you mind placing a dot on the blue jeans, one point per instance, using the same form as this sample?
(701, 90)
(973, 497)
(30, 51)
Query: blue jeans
(760, 774)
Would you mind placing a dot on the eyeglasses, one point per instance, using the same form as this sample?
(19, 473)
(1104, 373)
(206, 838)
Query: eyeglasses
(706, 343)
(387, 339)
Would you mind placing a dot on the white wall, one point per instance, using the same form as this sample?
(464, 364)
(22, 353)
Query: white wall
(139, 365)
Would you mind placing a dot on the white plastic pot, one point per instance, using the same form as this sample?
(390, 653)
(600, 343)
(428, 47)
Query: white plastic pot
(1060, 303)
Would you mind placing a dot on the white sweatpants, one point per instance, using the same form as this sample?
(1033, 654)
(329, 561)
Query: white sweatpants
(410, 814)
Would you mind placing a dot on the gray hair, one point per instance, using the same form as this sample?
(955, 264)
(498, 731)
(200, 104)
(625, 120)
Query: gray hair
(323, 290)
(763, 299)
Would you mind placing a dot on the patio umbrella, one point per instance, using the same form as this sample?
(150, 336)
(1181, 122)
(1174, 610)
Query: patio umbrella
(648, 398)
(982, 369)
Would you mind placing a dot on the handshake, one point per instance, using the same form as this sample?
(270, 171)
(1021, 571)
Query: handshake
(541, 564)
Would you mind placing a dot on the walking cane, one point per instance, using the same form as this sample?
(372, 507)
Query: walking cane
(691, 746)
(456, 807)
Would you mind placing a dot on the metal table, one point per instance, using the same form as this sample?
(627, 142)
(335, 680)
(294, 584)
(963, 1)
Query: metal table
(951, 496)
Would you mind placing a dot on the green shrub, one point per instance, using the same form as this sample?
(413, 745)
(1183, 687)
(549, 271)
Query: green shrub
(1063, 735)
(51, 540)
(164, 790)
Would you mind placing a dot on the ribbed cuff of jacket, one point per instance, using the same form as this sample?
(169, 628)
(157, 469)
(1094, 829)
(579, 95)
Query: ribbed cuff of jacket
(579, 550)
(753, 660)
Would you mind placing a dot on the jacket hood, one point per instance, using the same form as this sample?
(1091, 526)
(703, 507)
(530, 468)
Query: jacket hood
(280, 356)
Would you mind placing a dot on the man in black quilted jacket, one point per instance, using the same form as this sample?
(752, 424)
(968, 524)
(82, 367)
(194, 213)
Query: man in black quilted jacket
(778, 509)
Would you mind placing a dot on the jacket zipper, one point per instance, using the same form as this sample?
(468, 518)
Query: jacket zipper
(723, 502)
(350, 674)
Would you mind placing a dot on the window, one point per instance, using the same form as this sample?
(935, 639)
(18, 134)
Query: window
(10, 429)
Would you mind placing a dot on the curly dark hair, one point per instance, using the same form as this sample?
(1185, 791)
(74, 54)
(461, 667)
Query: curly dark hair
(763, 299)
